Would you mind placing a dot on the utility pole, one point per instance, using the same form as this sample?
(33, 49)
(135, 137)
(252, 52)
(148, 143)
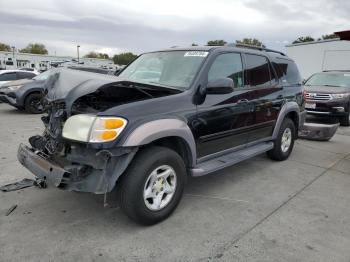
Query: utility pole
(13, 52)
(78, 52)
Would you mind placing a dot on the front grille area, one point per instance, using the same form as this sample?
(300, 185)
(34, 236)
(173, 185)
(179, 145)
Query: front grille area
(318, 96)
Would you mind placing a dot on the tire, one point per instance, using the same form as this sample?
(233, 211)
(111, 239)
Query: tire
(278, 153)
(138, 180)
(344, 120)
(33, 104)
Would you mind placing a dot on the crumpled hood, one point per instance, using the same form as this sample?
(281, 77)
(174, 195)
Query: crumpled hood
(67, 84)
(327, 89)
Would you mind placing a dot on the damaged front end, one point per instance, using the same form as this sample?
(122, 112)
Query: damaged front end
(76, 165)
(69, 165)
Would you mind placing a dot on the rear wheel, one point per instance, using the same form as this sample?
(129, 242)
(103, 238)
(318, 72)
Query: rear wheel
(152, 186)
(33, 104)
(344, 120)
(283, 145)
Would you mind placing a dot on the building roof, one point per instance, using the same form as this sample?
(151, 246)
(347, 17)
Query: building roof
(343, 35)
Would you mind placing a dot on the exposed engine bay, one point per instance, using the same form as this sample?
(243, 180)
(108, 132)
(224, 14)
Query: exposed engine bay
(113, 95)
(107, 96)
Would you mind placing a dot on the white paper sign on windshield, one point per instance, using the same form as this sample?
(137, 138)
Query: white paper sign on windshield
(196, 53)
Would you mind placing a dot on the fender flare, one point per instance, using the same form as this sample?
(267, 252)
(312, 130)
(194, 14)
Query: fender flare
(161, 128)
(288, 107)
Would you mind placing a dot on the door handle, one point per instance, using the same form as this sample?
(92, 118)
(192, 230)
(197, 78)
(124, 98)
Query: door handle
(241, 101)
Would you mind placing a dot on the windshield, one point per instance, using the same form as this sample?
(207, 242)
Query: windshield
(329, 79)
(174, 69)
(42, 76)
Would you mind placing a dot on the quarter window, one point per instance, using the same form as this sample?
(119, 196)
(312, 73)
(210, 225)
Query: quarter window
(227, 65)
(287, 72)
(257, 71)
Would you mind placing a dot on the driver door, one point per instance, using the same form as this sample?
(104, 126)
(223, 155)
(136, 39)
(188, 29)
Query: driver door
(222, 120)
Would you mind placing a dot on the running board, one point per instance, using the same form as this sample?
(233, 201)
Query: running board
(230, 159)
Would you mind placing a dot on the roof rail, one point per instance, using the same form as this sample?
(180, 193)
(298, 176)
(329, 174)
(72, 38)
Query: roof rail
(257, 48)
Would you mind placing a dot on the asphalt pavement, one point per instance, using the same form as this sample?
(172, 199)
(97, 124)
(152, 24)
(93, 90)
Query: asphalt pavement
(258, 210)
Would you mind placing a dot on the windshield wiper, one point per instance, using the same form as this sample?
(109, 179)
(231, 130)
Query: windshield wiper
(331, 85)
(172, 88)
(140, 89)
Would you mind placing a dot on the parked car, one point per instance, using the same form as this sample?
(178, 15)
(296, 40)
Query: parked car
(328, 94)
(170, 114)
(11, 75)
(25, 94)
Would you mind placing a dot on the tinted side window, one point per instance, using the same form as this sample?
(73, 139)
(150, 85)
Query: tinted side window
(287, 72)
(257, 71)
(8, 77)
(22, 75)
(227, 65)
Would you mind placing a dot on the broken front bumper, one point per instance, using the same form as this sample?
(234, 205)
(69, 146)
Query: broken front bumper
(40, 167)
(88, 171)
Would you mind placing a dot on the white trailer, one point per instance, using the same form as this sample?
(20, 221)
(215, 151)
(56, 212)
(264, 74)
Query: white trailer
(312, 57)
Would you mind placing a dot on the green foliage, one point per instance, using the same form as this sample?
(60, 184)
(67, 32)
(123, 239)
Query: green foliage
(124, 58)
(97, 55)
(217, 42)
(5, 47)
(250, 41)
(194, 44)
(36, 48)
(330, 36)
(303, 39)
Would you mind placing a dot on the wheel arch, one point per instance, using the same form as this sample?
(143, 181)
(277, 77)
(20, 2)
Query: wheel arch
(171, 133)
(291, 110)
(23, 95)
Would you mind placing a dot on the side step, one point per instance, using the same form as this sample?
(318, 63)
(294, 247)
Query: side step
(230, 159)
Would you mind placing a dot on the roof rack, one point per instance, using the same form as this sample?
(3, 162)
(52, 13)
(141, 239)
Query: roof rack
(257, 48)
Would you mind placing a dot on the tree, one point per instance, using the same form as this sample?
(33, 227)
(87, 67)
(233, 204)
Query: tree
(35, 49)
(124, 58)
(330, 36)
(217, 42)
(250, 41)
(303, 39)
(5, 47)
(93, 54)
(194, 44)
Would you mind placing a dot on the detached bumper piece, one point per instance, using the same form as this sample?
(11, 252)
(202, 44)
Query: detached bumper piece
(319, 132)
(88, 171)
(40, 167)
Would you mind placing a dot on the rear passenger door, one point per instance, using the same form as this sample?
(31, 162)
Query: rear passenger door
(264, 94)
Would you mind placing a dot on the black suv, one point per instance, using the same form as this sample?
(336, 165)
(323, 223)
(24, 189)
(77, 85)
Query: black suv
(169, 114)
(328, 94)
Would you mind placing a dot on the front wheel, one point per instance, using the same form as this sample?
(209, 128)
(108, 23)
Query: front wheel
(283, 145)
(152, 186)
(33, 104)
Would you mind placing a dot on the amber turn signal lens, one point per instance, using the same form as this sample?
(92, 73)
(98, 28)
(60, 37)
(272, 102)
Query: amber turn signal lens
(108, 135)
(113, 123)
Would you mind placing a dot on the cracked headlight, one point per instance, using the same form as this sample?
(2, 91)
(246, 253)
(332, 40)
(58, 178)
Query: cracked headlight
(88, 128)
(14, 87)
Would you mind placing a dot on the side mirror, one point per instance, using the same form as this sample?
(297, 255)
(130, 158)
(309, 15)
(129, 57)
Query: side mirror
(220, 86)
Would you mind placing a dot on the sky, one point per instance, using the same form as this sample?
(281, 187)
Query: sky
(114, 26)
